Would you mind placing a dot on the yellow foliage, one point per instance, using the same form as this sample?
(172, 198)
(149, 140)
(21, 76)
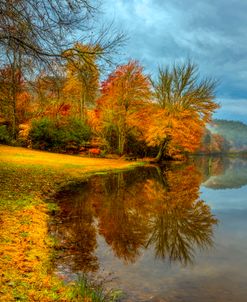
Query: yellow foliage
(82, 81)
(183, 128)
(24, 131)
(24, 254)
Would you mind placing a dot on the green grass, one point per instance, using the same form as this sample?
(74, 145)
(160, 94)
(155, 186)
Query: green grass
(88, 290)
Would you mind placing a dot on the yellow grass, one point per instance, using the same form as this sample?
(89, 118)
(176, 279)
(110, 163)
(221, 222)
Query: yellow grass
(26, 177)
(74, 165)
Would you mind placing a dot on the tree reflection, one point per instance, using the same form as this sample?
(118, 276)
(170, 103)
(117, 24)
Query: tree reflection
(163, 211)
(137, 210)
(77, 231)
(120, 218)
(180, 221)
(211, 166)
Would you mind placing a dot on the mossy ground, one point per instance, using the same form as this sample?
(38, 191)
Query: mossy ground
(27, 179)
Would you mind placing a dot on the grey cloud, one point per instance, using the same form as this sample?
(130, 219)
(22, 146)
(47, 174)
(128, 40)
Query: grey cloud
(232, 109)
(211, 33)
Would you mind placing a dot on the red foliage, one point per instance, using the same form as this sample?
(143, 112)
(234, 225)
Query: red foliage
(94, 151)
(64, 109)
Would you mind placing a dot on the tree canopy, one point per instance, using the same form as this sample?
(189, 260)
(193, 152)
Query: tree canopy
(122, 95)
(184, 104)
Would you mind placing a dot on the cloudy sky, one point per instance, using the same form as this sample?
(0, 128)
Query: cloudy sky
(212, 33)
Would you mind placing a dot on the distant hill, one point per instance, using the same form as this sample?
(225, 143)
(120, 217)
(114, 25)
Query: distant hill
(223, 136)
(234, 132)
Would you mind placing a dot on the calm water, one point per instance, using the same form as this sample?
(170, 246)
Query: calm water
(174, 233)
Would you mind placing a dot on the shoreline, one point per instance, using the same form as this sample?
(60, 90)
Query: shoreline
(29, 180)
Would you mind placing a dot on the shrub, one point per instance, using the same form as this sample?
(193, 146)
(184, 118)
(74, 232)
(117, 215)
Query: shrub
(4, 135)
(43, 134)
(60, 135)
(139, 148)
(78, 131)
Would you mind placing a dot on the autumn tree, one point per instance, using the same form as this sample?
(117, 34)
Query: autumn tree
(47, 90)
(124, 93)
(82, 76)
(14, 96)
(183, 105)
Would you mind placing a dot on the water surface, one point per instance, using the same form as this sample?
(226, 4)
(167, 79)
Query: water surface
(171, 233)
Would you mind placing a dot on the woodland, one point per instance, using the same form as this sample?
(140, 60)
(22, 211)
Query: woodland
(61, 91)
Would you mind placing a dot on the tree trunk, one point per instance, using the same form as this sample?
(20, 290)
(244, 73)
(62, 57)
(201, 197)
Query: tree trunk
(121, 143)
(162, 178)
(15, 62)
(14, 94)
(122, 132)
(162, 149)
(14, 116)
(81, 105)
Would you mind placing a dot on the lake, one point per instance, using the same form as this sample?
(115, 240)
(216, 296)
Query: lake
(171, 233)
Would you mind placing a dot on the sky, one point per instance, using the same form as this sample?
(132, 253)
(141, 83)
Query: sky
(211, 33)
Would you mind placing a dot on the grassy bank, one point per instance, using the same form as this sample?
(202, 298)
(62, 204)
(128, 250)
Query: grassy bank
(27, 179)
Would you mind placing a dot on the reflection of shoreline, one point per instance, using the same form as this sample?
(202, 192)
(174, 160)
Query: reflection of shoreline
(135, 210)
(233, 175)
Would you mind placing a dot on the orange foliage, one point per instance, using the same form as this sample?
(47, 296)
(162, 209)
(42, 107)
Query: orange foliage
(124, 93)
(183, 106)
(185, 128)
(23, 106)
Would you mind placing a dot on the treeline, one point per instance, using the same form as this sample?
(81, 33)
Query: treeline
(224, 136)
(126, 113)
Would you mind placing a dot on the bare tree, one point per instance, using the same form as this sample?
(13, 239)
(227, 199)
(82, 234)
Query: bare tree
(42, 30)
